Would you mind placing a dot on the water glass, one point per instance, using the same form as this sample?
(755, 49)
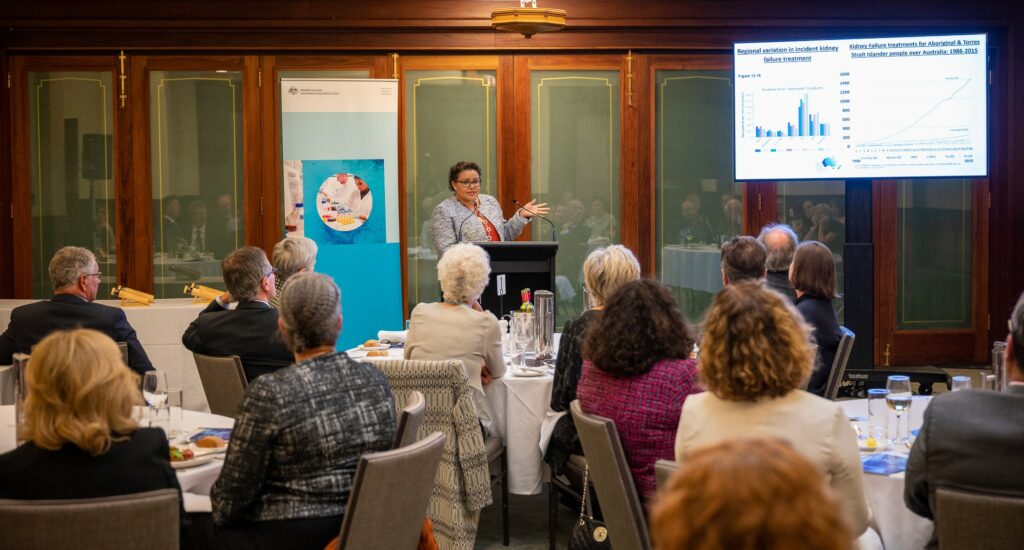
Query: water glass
(522, 333)
(175, 402)
(899, 400)
(961, 383)
(159, 417)
(154, 388)
(878, 415)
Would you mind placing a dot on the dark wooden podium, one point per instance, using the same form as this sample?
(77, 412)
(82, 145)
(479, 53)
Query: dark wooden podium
(524, 264)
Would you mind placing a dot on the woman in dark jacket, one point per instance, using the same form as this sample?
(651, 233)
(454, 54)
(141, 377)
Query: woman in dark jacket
(813, 275)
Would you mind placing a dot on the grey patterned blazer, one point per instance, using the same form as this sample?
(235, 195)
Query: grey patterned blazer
(450, 213)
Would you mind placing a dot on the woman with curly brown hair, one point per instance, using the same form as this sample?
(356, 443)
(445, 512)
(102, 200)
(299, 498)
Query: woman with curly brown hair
(747, 494)
(638, 372)
(756, 352)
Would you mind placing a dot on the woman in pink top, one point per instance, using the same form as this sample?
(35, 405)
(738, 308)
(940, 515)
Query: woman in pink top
(638, 374)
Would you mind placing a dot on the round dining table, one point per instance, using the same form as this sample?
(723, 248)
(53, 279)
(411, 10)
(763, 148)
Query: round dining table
(194, 481)
(898, 527)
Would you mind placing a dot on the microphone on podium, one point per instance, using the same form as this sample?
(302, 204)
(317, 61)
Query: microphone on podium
(554, 233)
(476, 206)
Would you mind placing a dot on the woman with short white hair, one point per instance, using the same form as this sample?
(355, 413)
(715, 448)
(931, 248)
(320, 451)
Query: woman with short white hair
(457, 327)
(292, 255)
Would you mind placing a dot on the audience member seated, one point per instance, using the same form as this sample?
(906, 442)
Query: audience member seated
(81, 438)
(299, 435)
(781, 242)
(692, 227)
(743, 258)
(755, 353)
(813, 275)
(972, 440)
(457, 327)
(604, 271)
(638, 373)
(825, 229)
(292, 255)
(75, 277)
(747, 494)
(248, 331)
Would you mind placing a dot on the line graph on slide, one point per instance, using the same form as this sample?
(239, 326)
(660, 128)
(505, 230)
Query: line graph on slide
(899, 123)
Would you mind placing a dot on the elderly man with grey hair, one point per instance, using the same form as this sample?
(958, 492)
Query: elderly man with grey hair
(250, 330)
(781, 242)
(75, 277)
(292, 255)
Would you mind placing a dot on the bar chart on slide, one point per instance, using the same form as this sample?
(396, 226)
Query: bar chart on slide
(866, 108)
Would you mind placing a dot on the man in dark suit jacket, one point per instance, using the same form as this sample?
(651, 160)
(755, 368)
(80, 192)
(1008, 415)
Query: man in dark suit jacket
(972, 440)
(250, 330)
(75, 276)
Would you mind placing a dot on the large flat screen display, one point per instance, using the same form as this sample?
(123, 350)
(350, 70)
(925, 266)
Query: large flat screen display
(866, 108)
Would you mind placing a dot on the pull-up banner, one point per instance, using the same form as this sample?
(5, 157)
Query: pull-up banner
(339, 139)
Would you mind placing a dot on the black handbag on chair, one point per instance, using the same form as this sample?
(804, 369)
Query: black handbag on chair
(588, 533)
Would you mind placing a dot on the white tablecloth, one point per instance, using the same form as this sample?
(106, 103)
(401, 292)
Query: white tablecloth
(898, 526)
(519, 405)
(197, 480)
(159, 328)
(694, 268)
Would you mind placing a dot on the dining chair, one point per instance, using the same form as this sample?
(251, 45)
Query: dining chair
(463, 483)
(835, 376)
(663, 472)
(409, 419)
(620, 504)
(390, 494)
(223, 381)
(978, 521)
(142, 520)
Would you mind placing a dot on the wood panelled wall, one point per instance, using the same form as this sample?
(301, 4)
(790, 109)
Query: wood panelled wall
(686, 26)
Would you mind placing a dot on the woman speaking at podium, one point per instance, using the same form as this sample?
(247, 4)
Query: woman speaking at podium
(470, 216)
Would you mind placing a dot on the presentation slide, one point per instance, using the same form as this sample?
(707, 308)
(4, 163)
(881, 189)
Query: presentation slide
(866, 108)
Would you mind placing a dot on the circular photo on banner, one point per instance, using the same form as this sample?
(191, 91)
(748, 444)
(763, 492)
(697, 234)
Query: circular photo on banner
(344, 202)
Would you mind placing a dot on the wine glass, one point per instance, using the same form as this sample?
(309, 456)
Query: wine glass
(154, 388)
(899, 400)
(522, 332)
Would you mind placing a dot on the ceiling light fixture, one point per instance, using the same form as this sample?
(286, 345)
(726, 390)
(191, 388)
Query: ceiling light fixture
(527, 21)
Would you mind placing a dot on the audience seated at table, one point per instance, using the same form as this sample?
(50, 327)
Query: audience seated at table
(747, 494)
(780, 241)
(972, 440)
(299, 435)
(754, 355)
(813, 275)
(75, 277)
(604, 271)
(743, 258)
(291, 255)
(81, 437)
(248, 331)
(457, 327)
(638, 373)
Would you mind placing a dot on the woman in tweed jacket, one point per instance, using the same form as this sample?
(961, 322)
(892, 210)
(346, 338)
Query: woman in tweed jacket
(450, 222)
(299, 434)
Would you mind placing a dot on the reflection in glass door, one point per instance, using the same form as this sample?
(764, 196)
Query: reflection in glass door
(197, 175)
(72, 194)
(575, 165)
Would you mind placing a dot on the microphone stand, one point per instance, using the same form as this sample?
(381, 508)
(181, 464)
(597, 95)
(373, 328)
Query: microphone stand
(466, 219)
(554, 232)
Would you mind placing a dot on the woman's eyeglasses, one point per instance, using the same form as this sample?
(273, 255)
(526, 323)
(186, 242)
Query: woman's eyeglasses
(468, 183)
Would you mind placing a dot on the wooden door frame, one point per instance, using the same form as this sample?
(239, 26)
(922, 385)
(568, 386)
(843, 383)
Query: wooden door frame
(270, 111)
(929, 346)
(141, 133)
(21, 165)
(522, 186)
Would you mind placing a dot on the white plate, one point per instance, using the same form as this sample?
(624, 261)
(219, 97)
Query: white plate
(527, 373)
(378, 346)
(195, 461)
